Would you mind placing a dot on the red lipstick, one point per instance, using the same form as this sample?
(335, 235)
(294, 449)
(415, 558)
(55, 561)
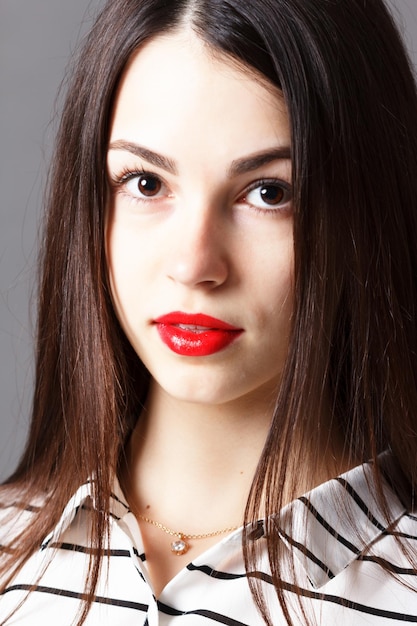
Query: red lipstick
(195, 334)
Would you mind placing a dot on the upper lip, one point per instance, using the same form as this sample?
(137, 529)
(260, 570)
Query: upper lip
(201, 320)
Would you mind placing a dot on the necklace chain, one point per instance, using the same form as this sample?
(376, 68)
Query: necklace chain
(174, 533)
(180, 545)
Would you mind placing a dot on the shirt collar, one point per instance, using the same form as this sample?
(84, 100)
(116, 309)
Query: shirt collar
(84, 497)
(79, 499)
(332, 525)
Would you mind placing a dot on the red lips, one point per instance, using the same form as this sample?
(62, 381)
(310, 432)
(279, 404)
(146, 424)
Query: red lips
(195, 334)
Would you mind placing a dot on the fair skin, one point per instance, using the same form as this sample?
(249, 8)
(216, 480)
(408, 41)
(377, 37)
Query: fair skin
(201, 223)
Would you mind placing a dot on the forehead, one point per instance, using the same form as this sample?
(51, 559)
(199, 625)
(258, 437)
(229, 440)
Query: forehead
(176, 88)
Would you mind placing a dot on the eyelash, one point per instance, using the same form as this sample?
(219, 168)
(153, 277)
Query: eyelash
(269, 182)
(127, 175)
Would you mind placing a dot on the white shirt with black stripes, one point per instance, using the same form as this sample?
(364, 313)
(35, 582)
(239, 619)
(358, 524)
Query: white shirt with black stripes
(337, 534)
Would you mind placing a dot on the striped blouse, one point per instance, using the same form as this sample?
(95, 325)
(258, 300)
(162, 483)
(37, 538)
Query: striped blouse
(337, 568)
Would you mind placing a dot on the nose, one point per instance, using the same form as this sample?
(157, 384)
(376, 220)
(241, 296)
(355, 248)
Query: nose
(199, 253)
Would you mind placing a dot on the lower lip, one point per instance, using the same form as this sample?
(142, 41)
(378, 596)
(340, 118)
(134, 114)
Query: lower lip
(196, 343)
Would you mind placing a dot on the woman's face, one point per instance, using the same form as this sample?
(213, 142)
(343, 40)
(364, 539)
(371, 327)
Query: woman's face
(199, 228)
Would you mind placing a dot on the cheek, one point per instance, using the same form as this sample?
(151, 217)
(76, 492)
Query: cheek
(125, 295)
(275, 276)
(121, 269)
(278, 289)
(132, 260)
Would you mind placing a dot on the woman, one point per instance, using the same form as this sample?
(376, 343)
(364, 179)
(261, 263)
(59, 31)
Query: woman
(224, 423)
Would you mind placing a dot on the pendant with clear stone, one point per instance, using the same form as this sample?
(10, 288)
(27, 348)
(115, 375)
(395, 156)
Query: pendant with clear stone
(179, 546)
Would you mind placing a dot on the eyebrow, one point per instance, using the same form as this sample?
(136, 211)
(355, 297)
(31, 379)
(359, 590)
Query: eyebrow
(151, 157)
(250, 163)
(237, 167)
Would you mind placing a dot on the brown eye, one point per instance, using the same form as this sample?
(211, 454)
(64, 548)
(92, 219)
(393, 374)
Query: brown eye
(272, 194)
(149, 185)
(143, 186)
(269, 195)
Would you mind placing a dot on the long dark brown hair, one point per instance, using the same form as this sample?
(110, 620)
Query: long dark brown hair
(352, 103)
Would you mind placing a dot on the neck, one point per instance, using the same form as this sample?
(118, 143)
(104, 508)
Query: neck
(191, 465)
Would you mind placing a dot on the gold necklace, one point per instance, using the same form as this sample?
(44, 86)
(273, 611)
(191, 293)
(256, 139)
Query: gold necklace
(180, 545)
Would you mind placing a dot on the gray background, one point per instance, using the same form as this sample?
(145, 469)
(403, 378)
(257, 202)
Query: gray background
(36, 40)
